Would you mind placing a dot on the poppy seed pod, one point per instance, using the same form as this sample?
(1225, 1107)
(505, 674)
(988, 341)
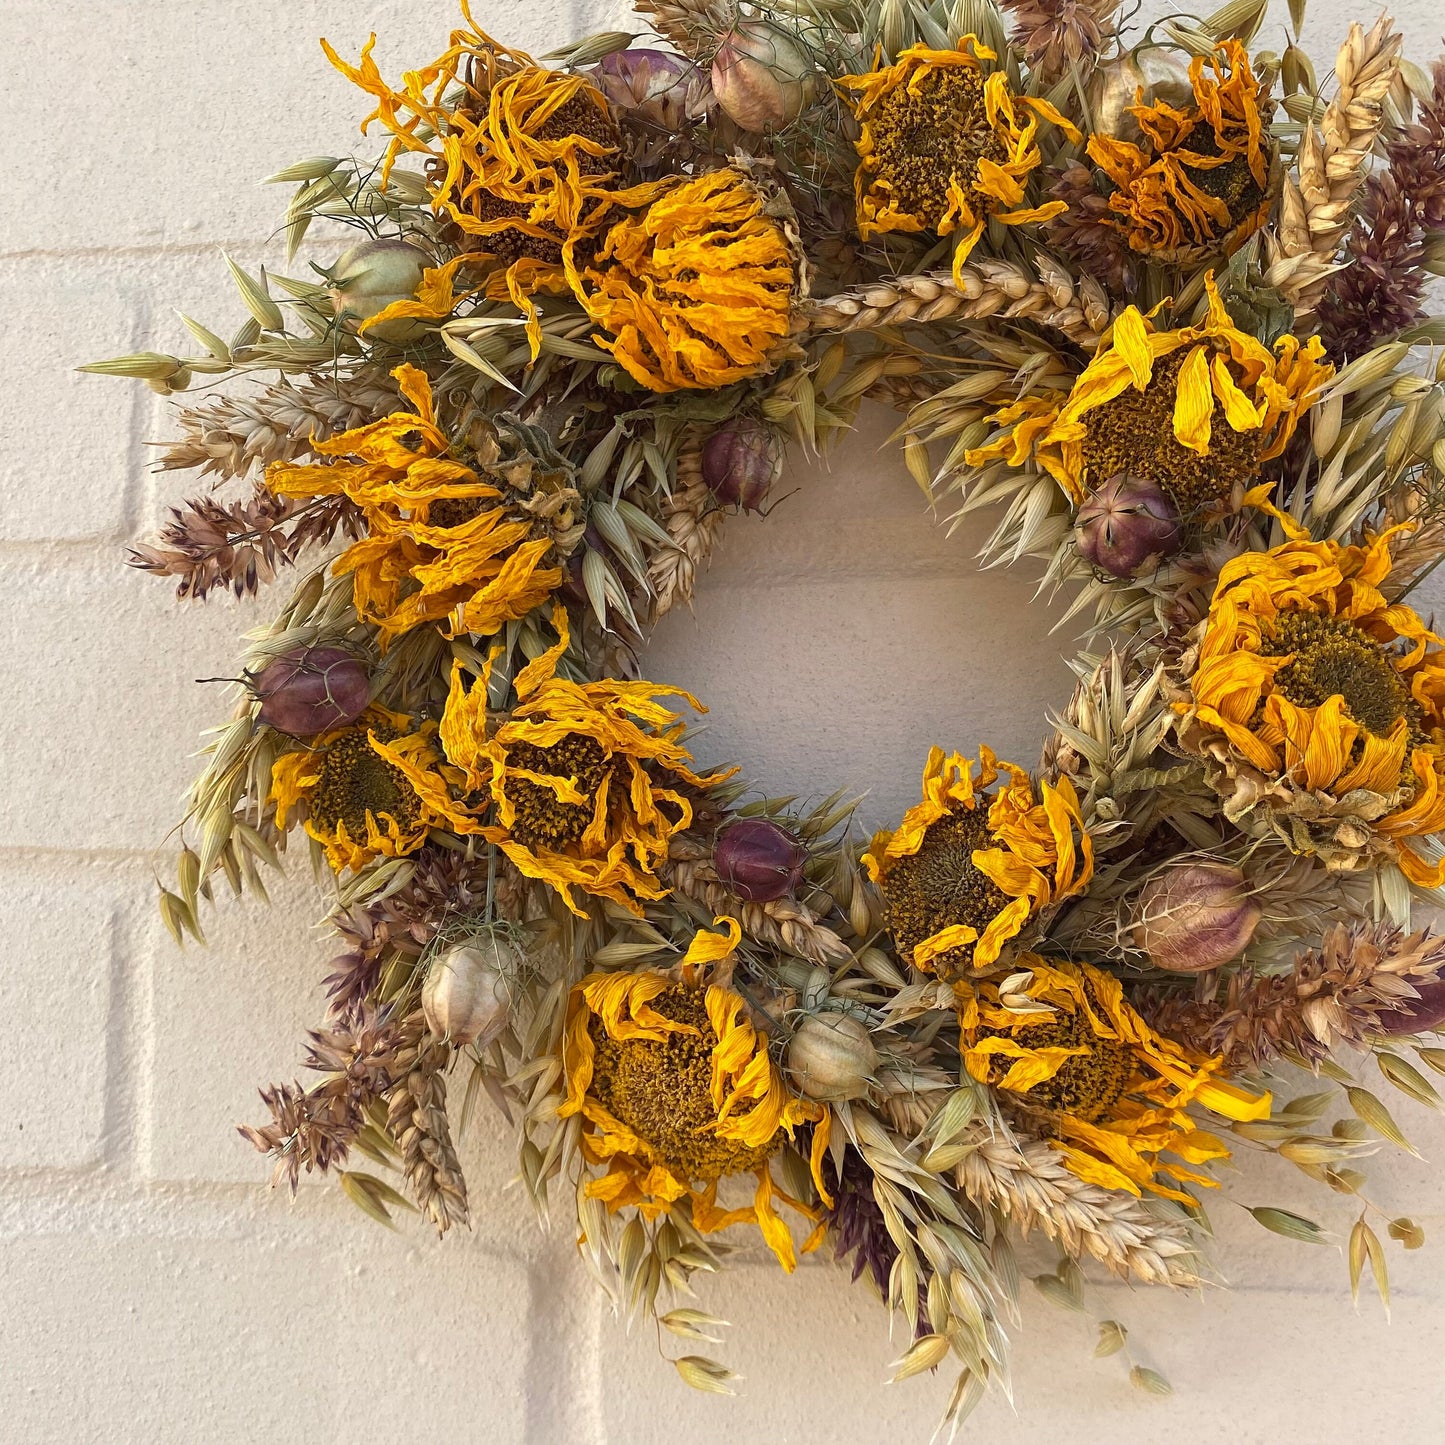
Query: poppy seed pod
(762, 76)
(369, 277)
(759, 861)
(1126, 524)
(311, 690)
(466, 997)
(831, 1057)
(740, 463)
(1195, 916)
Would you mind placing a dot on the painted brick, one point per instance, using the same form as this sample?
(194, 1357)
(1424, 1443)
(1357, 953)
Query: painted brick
(105, 659)
(59, 928)
(157, 1340)
(186, 108)
(65, 466)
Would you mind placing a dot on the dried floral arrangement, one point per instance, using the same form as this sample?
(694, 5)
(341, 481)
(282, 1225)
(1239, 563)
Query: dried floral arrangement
(1158, 304)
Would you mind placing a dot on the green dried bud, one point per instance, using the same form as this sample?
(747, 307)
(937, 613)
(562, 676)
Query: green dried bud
(831, 1057)
(369, 277)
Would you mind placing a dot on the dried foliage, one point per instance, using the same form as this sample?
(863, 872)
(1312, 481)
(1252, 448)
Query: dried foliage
(526, 393)
(1341, 994)
(208, 545)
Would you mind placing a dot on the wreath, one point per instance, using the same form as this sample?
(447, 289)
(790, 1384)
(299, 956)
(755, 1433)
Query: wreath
(1156, 304)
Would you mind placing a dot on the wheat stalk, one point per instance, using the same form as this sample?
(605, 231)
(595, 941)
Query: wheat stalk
(1315, 210)
(691, 517)
(783, 923)
(417, 1121)
(1026, 1180)
(231, 435)
(1048, 296)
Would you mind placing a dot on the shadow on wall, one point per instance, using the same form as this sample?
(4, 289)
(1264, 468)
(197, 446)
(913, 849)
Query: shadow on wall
(839, 638)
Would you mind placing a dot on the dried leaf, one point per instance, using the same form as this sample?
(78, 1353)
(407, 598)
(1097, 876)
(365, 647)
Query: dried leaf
(1408, 1079)
(925, 1354)
(1372, 1112)
(1407, 1232)
(692, 1325)
(706, 1375)
(1057, 1292)
(1291, 1226)
(1365, 1245)
(1150, 1381)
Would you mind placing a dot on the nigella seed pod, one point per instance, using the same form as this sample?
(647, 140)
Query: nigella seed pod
(311, 690)
(1424, 1014)
(740, 463)
(466, 996)
(655, 86)
(1117, 85)
(369, 277)
(831, 1057)
(762, 76)
(1194, 916)
(1126, 524)
(759, 861)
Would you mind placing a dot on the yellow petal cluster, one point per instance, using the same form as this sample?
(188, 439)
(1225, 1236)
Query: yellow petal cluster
(617, 819)
(695, 289)
(479, 573)
(1228, 384)
(521, 159)
(1037, 851)
(1386, 737)
(944, 147)
(1115, 1094)
(1200, 183)
(350, 773)
(619, 1026)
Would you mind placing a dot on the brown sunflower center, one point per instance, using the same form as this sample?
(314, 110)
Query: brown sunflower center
(1135, 433)
(940, 885)
(1087, 1085)
(1333, 658)
(356, 780)
(1232, 182)
(929, 133)
(453, 511)
(578, 117)
(543, 819)
(663, 1091)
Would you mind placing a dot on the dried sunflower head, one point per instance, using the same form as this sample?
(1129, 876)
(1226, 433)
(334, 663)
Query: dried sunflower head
(964, 872)
(677, 1091)
(1112, 1095)
(1320, 705)
(1199, 183)
(944, 146)
(446, 539)
(522, 160)
(1197, 411)
(586, 782)
(695, 289)
(354, 799)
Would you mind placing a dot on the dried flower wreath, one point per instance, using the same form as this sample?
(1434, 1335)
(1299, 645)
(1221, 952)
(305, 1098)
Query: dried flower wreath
(1154, 300)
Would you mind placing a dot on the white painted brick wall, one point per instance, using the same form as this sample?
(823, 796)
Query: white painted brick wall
(152, 1290)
